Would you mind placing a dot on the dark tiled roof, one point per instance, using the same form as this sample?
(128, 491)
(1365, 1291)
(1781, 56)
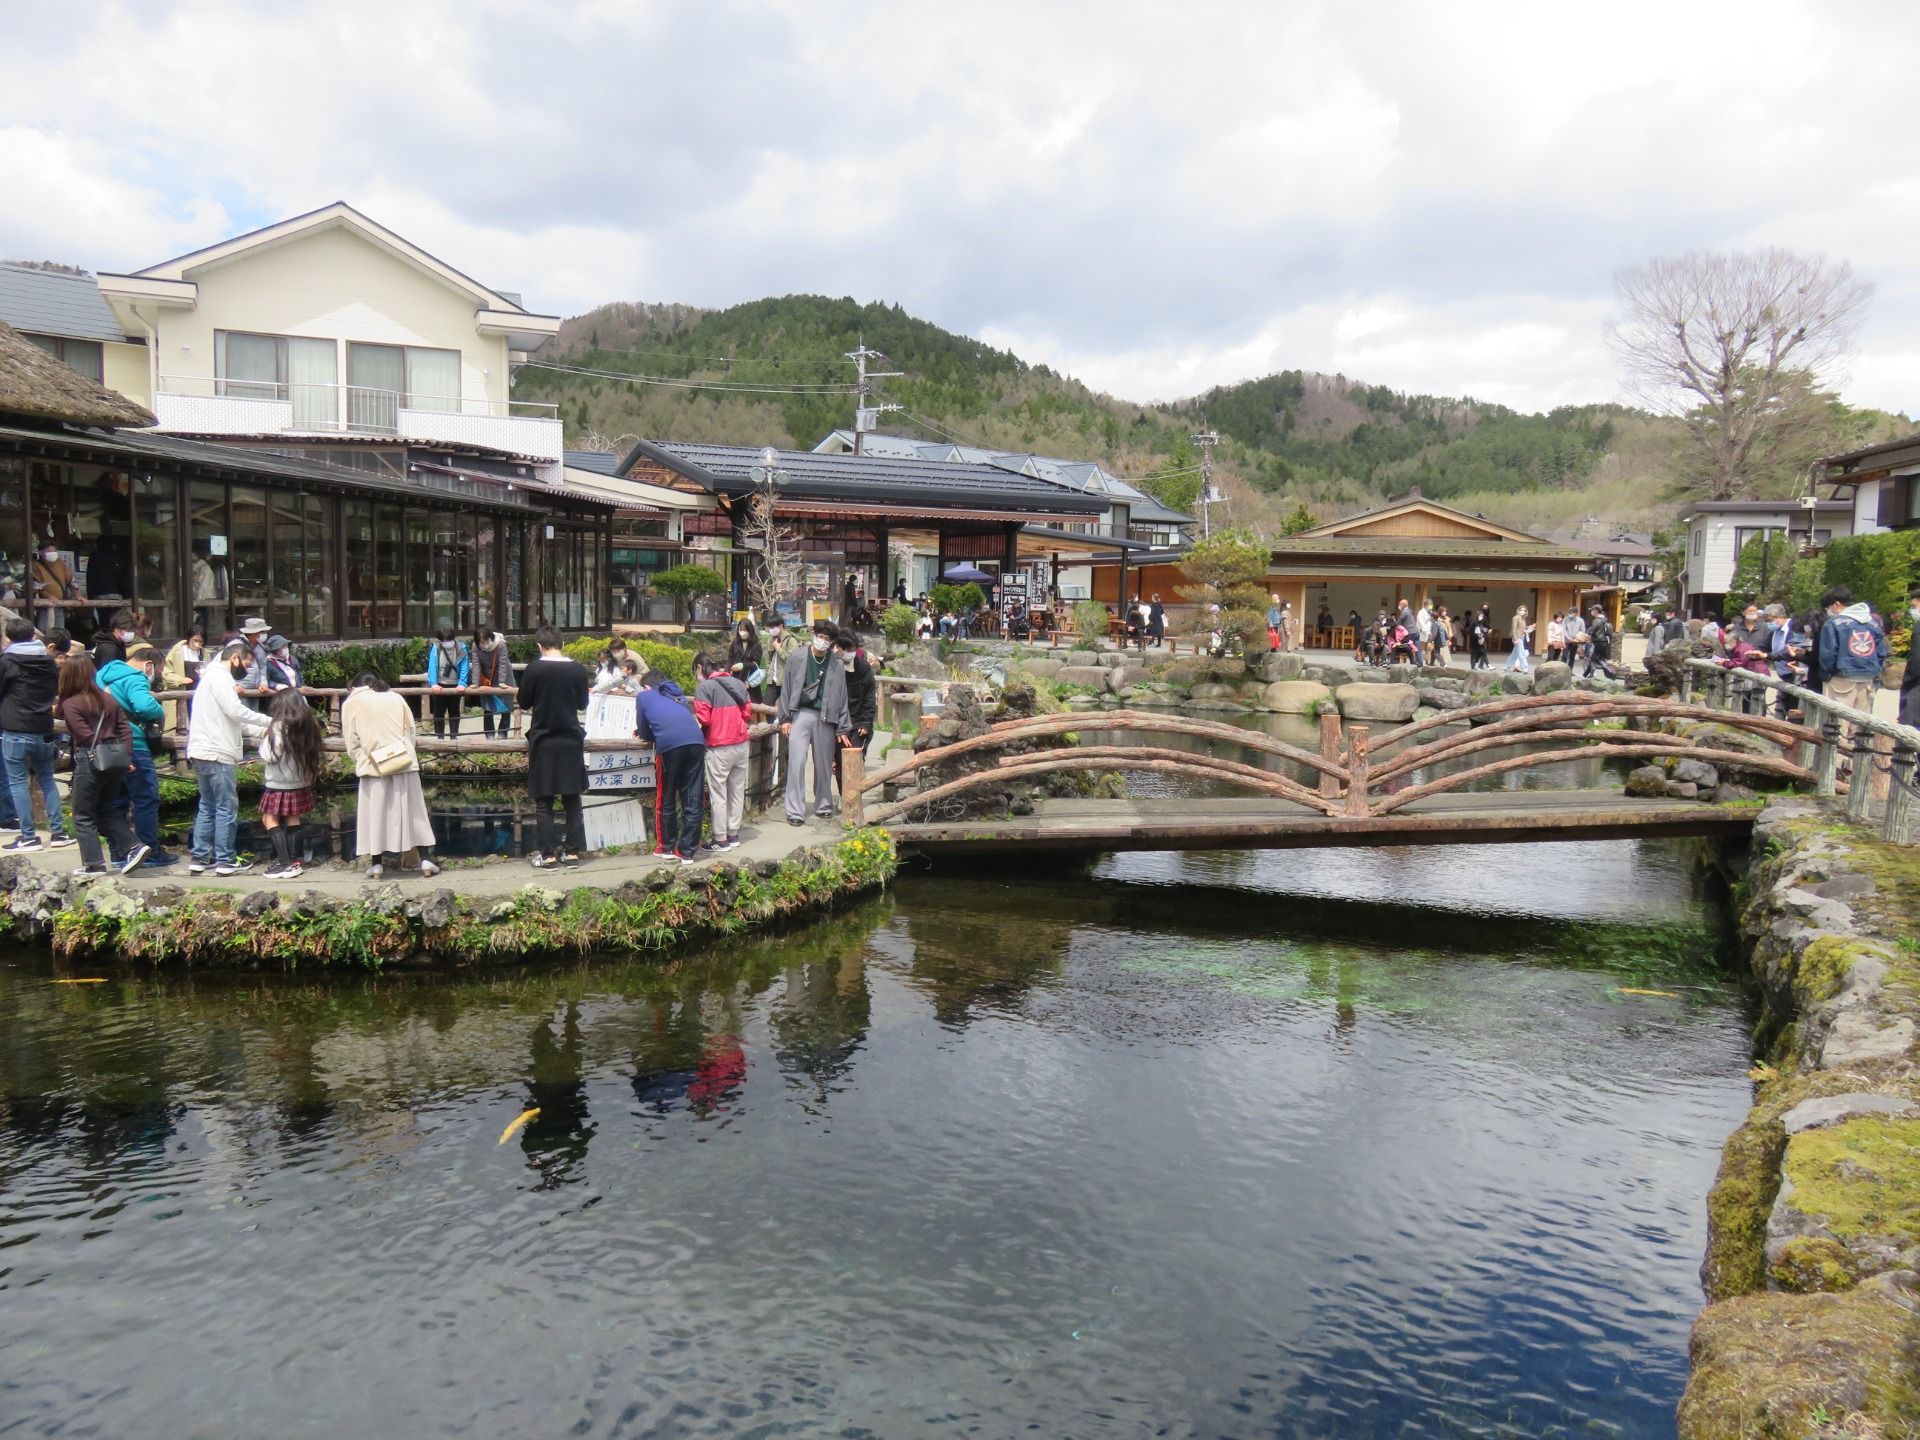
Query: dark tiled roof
(47, 302)
(598, 461)
(929, 484)
(1488, 549)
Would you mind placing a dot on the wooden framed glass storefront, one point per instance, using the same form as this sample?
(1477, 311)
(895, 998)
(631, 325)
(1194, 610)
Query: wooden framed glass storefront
(317, 563)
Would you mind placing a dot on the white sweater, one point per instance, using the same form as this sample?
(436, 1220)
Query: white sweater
(219, 721)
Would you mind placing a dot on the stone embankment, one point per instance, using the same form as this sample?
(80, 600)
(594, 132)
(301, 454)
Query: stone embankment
(466, 918)
(1813, 1323)
(1284, 684)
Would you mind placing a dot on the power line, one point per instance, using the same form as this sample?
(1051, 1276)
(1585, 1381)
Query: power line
(721, 386)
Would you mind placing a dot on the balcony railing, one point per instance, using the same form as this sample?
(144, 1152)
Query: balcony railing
(203, 405)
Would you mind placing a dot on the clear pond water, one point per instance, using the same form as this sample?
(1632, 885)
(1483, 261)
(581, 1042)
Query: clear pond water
(1357, 1144)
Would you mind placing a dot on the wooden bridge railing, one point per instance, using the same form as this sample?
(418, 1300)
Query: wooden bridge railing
(1357, 777)
(1855, 754)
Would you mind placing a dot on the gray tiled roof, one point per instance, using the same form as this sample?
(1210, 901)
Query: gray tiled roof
(46, 302)
(808, 474)
(598, 461)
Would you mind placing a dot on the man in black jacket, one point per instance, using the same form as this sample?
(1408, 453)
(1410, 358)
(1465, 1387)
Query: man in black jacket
(863, 696)
(1909, 688)
(28, 681)
(1600, 644)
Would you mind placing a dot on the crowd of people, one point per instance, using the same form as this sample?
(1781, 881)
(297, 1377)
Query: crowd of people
(245, 692)
(1838, 649)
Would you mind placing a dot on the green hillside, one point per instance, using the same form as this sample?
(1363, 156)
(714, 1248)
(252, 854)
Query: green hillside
(772, 372)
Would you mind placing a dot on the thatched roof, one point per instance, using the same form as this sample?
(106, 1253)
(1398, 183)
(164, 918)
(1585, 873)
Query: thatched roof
(35, 385)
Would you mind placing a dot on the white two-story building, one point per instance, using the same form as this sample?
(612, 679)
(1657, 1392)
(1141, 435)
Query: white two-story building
(1717, 531)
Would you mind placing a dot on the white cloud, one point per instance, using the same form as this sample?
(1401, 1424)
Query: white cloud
(1158, 201)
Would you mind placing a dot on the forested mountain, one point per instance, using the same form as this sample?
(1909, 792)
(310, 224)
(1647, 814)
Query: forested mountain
(773, 372)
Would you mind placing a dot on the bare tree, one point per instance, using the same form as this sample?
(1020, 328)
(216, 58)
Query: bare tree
(777, 575)
(1737, 344)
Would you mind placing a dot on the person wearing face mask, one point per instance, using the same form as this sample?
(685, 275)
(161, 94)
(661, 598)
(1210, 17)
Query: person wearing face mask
(863, 695)
(1909, 689)
(812, 715)
(130, 682)
(218, 725)
(746, 662)
(55, 589)
(112, 643)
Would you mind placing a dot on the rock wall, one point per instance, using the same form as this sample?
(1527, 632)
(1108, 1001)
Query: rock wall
(1813, 1263)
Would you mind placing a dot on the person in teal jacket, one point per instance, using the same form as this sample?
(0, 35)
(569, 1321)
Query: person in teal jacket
(449, 666)
(130, 681)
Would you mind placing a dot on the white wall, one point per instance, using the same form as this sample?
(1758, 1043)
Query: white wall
(333, 284)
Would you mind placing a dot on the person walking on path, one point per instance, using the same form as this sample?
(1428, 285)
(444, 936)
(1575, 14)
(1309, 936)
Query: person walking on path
(720, 703)
(1442, 637)
(216, 740)
(553, 692)
(130, 682)
(1478, 633)
(1522, 628)
(1575, 630)
(664, 718)
(29, 683)
(491, 667)
(294, 750)
(102, 755)
(449, 667)
(812, 715)
(390, 817)
(1600, 645)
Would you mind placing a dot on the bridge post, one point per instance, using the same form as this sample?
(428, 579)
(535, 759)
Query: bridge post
(1897, 823)
(1860, 786)
(1826, 760)
(1329, 750)
(853, 775)
(1357, 772)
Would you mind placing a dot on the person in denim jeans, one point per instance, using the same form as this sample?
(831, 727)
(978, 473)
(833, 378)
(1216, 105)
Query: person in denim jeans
(216, 734)
(28, 680)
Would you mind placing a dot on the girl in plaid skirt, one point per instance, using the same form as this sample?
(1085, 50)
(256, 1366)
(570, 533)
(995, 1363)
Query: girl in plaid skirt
(295, 752)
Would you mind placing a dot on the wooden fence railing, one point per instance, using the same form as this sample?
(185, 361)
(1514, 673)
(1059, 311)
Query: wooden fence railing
(1855, 754)
(1354, 776)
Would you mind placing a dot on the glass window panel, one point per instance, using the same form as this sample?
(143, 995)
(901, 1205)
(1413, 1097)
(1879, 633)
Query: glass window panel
(389, 568)
(433, 379)
(313, 381)
(15, 545)
(362, 566)
(376, 375)
(590, 578)
(288, 547)
(250, 366)
(156, 554)
(513, 614)
(418, 574)
(486, 598)
(252, 594)
(317, 614)
(210, 573)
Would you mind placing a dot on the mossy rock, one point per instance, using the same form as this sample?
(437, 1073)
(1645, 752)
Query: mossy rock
(1802, 1367)
(1812, 1265)
(1823, 966)
(1860, 1181)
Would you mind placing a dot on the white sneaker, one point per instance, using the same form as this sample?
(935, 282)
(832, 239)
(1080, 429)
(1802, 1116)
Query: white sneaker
(236, 868)
(428, 869)
(23, 844)
(133, 861)
(87, 872)
(196, 867)
(58, 840)
(290, 871)
(374, 872)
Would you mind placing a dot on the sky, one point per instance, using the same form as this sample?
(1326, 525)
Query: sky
(1152, 198)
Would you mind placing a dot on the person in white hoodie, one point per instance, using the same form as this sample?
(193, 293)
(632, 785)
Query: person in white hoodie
(217, 729)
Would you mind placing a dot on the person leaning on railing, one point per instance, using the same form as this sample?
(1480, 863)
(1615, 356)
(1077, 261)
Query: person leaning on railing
(1909, 689)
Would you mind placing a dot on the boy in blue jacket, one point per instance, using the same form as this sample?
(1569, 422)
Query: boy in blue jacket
(130, 681)
(664, 718)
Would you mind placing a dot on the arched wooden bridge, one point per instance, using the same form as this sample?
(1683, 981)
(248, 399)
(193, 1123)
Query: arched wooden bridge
(1408, 788)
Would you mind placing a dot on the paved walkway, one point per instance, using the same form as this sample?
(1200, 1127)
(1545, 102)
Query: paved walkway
(767, 838)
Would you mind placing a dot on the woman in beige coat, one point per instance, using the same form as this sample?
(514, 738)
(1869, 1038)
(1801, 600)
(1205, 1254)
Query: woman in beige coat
(391, 817)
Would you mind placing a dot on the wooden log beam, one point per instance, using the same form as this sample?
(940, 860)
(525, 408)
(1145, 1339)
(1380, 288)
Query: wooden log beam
(1641, 747)
(1121, 757)
(1330, 752)
(1041, 726)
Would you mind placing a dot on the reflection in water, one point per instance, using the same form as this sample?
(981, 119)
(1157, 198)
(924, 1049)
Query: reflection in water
(1077, 1156)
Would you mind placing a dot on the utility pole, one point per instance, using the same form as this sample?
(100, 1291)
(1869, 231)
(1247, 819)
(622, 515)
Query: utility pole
(1206, 440)
(866, 416)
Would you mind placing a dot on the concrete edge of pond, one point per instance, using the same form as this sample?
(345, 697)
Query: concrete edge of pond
(422, 924)
(1812, 1327)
